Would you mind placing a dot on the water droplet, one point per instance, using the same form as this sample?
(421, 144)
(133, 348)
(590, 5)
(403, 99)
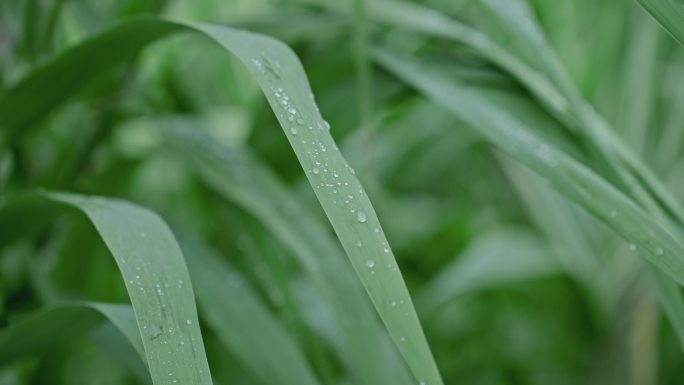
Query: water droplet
(359, 244)
(632, 246)
(370, 263)
(361, 216)
(189, 322)
(402, 339)
(660, 251)
(377, 230)
(386, 249)
(155, 332)
(293, 131)
(315, 170)
(393, 303)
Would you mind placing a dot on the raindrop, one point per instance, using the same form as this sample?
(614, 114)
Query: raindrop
(393, 303)
(315, 170)
(370, 263)
(361, 216)
(632, 246)
(660, 251)
(293, 131)
(189, 322)
(359, 244)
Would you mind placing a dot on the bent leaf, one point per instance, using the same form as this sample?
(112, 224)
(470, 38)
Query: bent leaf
(281, 77)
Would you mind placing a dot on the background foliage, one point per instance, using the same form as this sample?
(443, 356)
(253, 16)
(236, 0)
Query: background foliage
(523, 159)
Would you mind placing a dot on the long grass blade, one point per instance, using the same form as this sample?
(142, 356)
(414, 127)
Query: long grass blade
(282, 79)
(239, 176)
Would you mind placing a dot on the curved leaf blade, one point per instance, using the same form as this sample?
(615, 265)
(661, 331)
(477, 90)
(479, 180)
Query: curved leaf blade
(282, 79)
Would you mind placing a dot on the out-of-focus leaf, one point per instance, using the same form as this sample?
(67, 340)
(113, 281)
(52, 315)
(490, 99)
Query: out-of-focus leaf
(58, 324)
(495, 259)
(242, 322)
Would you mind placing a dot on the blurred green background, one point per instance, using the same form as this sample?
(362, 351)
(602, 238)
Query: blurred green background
(513, 284)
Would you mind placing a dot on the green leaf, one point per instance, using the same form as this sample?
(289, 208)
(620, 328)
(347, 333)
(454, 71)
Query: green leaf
(651, 238)
(497, 258)
(157, 281)
(282, 79)
(238, 175)
(669, 13)
(242, 323)
(58, 324)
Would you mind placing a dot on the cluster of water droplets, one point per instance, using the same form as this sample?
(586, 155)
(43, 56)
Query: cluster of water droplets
(325, 173)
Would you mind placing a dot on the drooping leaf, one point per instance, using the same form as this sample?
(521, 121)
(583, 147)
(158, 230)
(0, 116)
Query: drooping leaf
(282, 79)
(157, 281)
